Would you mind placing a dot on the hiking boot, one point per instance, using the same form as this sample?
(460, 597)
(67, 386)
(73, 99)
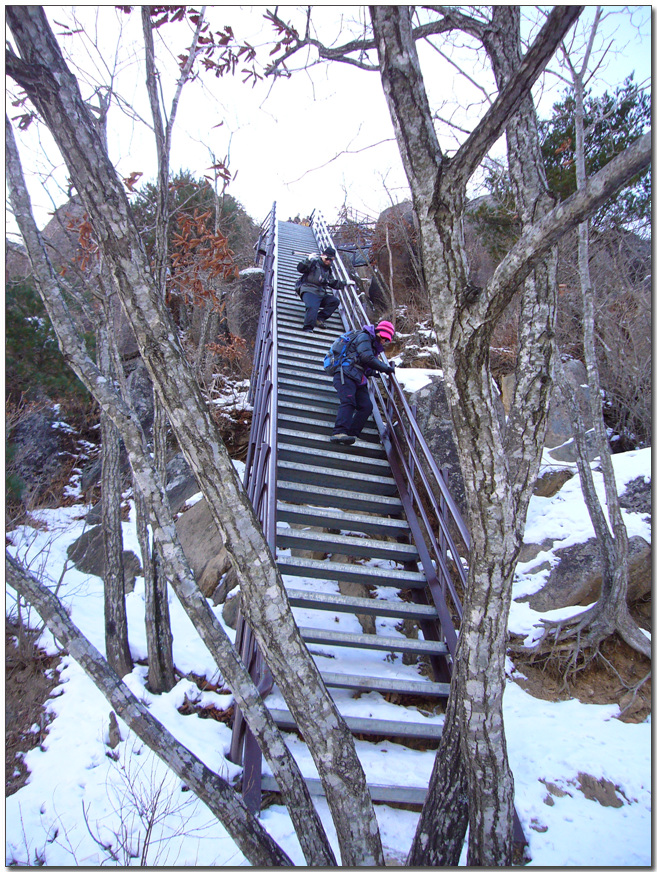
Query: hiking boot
(307, 329)
(343, 439)
(320, 324)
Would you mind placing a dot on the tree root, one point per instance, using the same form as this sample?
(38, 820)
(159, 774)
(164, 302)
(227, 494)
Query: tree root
(573, 643)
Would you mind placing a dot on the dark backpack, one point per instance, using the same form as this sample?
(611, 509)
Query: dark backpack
(336, 356)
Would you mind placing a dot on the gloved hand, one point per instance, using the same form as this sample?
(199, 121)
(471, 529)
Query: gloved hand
(391, 368)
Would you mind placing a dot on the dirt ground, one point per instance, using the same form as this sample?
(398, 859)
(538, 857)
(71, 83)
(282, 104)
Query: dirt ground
(30, 678)
(612, 678)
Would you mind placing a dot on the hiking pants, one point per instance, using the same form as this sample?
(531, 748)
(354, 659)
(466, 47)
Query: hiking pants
(316, 306)
(355, 406)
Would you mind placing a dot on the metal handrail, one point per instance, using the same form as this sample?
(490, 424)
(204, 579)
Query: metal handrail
(412, 463)
(260, 483)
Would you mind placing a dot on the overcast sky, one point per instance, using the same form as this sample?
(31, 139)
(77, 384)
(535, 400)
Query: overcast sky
(318, 140)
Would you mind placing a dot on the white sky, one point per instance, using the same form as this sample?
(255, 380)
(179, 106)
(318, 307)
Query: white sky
(283, 141)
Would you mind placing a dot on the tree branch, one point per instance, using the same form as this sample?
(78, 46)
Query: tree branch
(518, 263)
(247, 831)
(493, 124)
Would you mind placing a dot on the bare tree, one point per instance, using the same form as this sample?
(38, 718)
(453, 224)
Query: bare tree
(247, 831)
(472, 782)
(578, 639)
(309, 829)
(39, 68)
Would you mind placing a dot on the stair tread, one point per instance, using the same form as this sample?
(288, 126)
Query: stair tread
(373, 726)
(336, 542)
(378, 792)
(360, 605)
(383, 684)
(311, 454)
(329, 517)
(335, 497)
(373, 642)
(329, 569)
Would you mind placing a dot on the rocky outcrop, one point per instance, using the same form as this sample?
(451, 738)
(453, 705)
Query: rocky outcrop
(42, 448)
(204, 548)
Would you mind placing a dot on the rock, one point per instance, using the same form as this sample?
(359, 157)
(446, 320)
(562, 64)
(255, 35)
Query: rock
(231, 610)
(567, 453)
(551, 481)
(140, 390)
(435, 422)
(181, 483)
(577, 576)
(203, 546)
(559, 427)
(637, 496)
(39, 444)
(88, 556)
(114, 731)
(353, 588)
(227, 583)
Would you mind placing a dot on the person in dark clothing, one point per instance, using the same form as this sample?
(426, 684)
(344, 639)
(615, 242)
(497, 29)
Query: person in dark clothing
(362, 361)
(316, 277)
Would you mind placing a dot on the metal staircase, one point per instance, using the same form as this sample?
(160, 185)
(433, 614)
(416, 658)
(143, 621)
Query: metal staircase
(365, 536)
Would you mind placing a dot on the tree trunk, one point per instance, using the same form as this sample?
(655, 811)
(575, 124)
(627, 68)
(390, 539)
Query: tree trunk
(611, 613)
(53, 90)
(116, 621)
(309, 829)
(250, 836)
(464, 317)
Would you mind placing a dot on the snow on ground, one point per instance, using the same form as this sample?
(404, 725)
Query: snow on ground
(82, 807)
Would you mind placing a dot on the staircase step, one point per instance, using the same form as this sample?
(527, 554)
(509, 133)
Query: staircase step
(314, 636)
(334, 543)
(336, 498)
(329, 401)
(354, 605)
(320, 443)
(318, 421)
(318, 455)
(372, 726)
(335, 478)
(385, 685)
(335, 519)
(379, 792)
(304, 372)
(324, 389)
(328, 569)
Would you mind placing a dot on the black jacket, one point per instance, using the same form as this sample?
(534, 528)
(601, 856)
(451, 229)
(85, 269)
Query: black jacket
(316, 277)
(363, 356)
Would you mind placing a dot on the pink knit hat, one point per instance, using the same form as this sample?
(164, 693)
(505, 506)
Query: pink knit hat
(386, 329)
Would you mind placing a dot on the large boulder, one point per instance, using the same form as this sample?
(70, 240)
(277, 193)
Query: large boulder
(559, 427)
(88, 556)
(575, 579)
(435, 422)
(205, 550)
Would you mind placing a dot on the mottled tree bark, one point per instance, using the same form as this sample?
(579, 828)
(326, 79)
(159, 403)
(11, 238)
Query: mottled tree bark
(250, 836)
(309, 829)
(52, 89)
(116, 621)
(583, 634)
(499, 465)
